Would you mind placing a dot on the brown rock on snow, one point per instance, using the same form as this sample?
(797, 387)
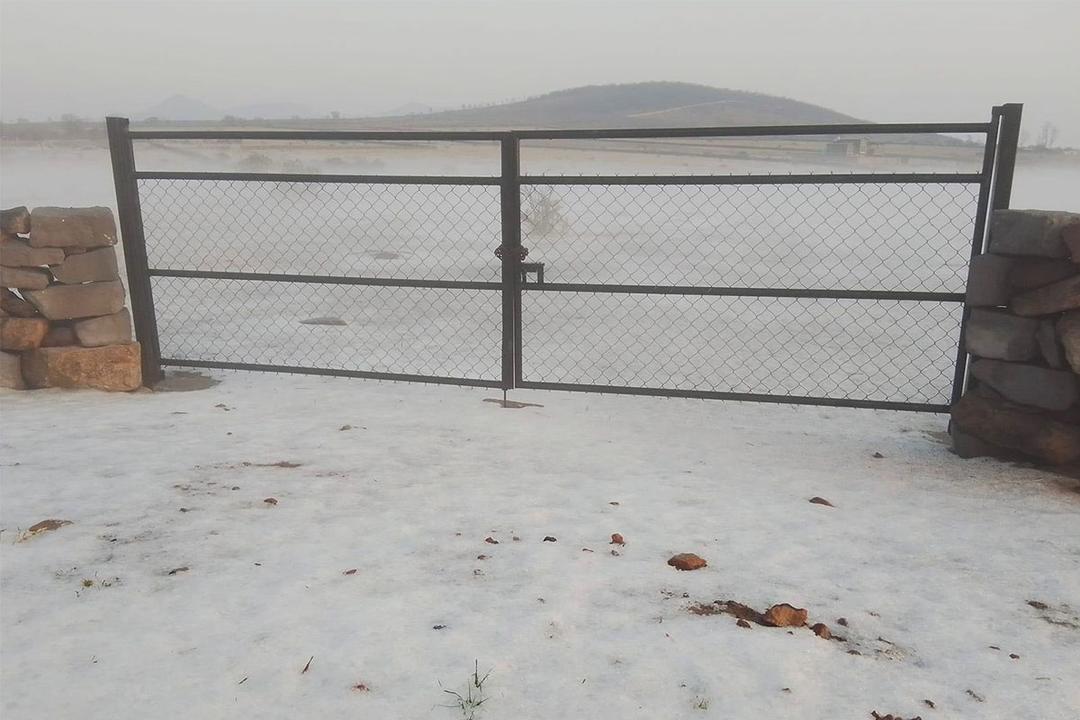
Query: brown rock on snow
(821, 630)
(784, 615)
(821, 501)
(617, 539)
(687, 561)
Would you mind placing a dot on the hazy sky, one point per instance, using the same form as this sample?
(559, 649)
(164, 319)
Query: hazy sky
(882, 61)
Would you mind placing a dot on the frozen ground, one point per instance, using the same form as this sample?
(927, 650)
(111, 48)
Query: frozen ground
(932, 560)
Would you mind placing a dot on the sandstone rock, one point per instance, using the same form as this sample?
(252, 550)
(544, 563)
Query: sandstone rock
(1016, 428)
(72, 227)
(988, 281)
(1049, 347)
(1068, 331)
(16, 252)
(23, 278)
(617, 539)
(113, 367)
(999, 335)
(687, 561)
(60, 336)
(1028, 384)
(67, 302)
(112, 329)
(968, 446)
(1031, 273)
(784, 615)
(93, 266)
(1035, 233)
(1071, 236)
(18, 333)
(1059, 297)
(11, 372)
(821, 630)
(15, 220)
(12, 304)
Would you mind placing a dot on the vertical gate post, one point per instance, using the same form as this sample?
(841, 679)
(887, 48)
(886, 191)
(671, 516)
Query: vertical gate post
(510, 204)
(995, 189)
(1008, 142)
(129, 215)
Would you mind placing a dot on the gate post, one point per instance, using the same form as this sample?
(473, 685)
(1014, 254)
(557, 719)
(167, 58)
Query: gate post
(1008, 141)
(995, 189)
(129, 215)
(510, 205)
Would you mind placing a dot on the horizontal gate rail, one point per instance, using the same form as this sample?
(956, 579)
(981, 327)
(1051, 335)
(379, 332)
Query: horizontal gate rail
(329, 179)
(757, 130)
(326, 279)
(822, 294)
(804, 179)
(721, 395)
(332, 372)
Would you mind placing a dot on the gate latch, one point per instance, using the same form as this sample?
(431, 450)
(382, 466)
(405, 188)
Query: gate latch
(523, 252)
(536, 268)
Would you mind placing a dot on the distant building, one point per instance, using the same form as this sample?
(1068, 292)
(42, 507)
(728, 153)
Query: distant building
(848, 147)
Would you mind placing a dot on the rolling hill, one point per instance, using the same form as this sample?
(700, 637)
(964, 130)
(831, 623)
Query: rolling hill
(646, 104)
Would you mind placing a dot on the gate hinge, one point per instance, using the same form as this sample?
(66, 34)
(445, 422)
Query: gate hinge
(523, 252)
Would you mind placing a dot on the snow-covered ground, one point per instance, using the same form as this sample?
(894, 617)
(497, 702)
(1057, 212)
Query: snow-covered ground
(177, 591)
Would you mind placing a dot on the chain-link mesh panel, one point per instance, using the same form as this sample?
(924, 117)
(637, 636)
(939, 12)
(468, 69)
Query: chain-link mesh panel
(883, 350)
(405, 330)
(893, 236)
(432, 232)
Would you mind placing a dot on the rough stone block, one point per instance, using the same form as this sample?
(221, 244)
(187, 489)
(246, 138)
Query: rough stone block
(18, 333)
(968, 446)
(59, 336)
(1050, 300)
(67, 302)
(16, 252)
(1071, 236)
(72, 227)
(108, 330)
(1028, 384)
(998, 335)
(15, 220)
(1032, 233)
(988, 281)
(1051, 349)
(93, 266)
(1068, 331)
(23, 278)
(1031, 273)
(11, 372)
(1029, 432)
(113, 367)
(12, 304)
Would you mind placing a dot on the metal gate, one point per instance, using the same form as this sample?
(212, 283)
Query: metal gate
(828, 289)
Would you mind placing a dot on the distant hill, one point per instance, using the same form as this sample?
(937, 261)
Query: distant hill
(647, 104)
(186, 109)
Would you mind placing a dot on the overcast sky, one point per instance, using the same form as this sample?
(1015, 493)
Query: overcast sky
(883, 61)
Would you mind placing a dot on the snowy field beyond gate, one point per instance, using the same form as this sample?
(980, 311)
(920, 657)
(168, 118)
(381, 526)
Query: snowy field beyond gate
(178, 591)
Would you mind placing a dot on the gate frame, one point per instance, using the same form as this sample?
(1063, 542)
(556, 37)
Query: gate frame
(994, 180)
